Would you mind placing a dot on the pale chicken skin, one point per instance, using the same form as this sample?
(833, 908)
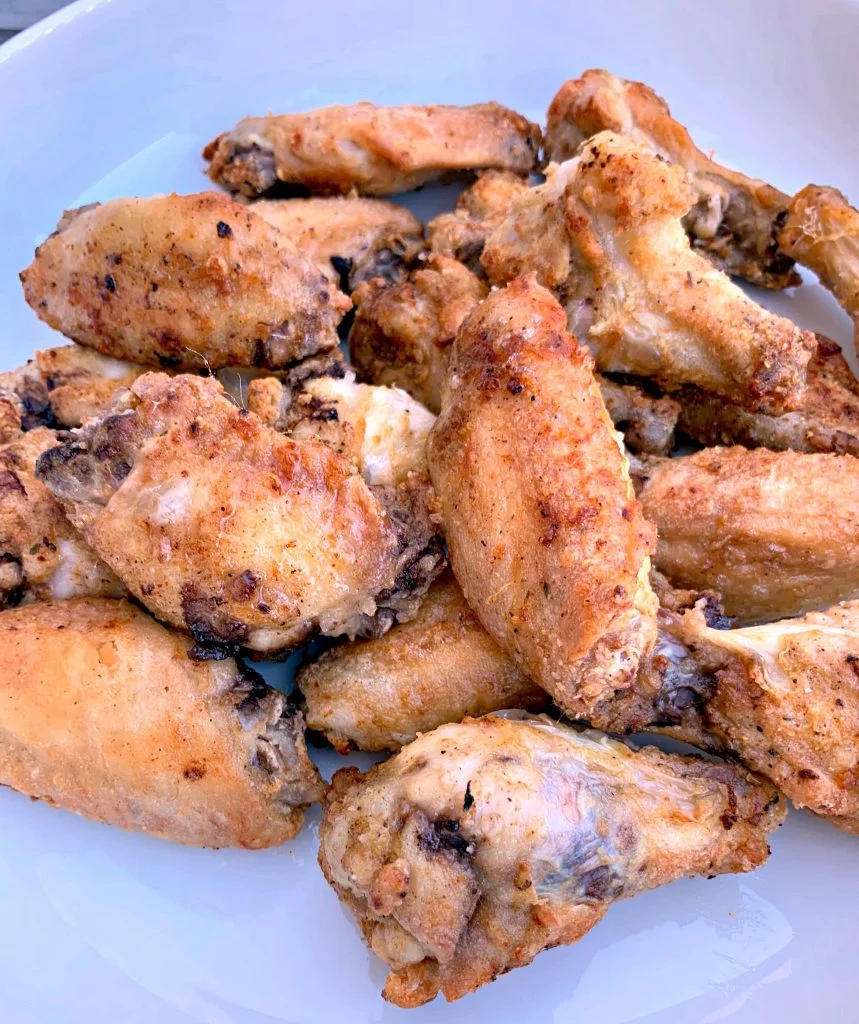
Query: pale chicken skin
(402, 333)
(544, 533)
(377, 151)
(783, 697)
(221, 526)
(103, 713)
(605, 233)
(481, 844)
(191, 282)
(438, 668)
(774, 533)
(42, 556)
(349, 238)
(735, 219)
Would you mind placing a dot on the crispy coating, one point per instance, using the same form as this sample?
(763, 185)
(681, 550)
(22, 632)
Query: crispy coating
(378, 151)
(350, 239)
(221, 526)
(775, 533)
(822, 233)
(734, 220)
(605, 233)
(82, 383)
(646, 421)
(827, 421)
(41, 555)
(438, 668)
(105, 714)
(545, 536)
(191, 282)
(402, 334)
(783, 697)
(480, 845)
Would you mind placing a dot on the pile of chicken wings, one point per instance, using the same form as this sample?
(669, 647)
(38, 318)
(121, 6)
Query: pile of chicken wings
(476, 506)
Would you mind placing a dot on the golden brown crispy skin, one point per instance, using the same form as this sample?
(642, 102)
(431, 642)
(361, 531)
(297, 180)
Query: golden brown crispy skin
(646, 421)
(784, 697)
(514, 834)
(82, 382)
(828, 420)
(104, 713)
(378, 151)
(545, 536)
(350, 239)
(193, 282)
(775, 533)
(605, 233)
(41, 555)
(441, 666)
(734, 220)
(402, 333)
(822, 233)
(220, 525)
(462, 233)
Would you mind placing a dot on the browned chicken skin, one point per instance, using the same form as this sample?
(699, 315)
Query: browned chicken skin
(775, 533)
(605, 233)
(734, 220)
(545, 536)
(103, 713)
(82, 383)
(24, 401)
(438, 668)
(220, 525)
(377, 151)
(192, 282)
(480, 845)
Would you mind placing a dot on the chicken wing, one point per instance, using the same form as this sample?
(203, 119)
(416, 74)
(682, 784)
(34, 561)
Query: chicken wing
(734, 220)
(783, 697)
(41, 555)
(191, 282)
(480, 845)
(104, 714)
(402, 333)
(24, 401)
(822, 233)
(605, 233)
(828, 420)
(82, 383)
(218, 524)
(545, 536)
(775, 533)
(377, 151)
(438, 668)
(348, 238)
(646, 421)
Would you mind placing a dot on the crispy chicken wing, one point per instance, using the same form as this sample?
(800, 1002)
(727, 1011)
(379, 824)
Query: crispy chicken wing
(378, 151)
(734, 220)
(480, 845)
(350, 239)
(775, 533)
(605, 233)
(441, 666)
(546, 538)
(192, 282)
(41, 555)
(220, 525)
(105, 714)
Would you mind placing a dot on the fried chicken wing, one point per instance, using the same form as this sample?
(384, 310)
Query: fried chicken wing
(775, 533)
(377, 151)
(822, 233)
(438, 668)
(348, 238)
(82, 383)
(783, 697)
(605, 233)
(734, 220)
(192, 282)
(480, 845)
(105, 714)
(220, 525)
(545, 536)
(646, 421)
(41, 555)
